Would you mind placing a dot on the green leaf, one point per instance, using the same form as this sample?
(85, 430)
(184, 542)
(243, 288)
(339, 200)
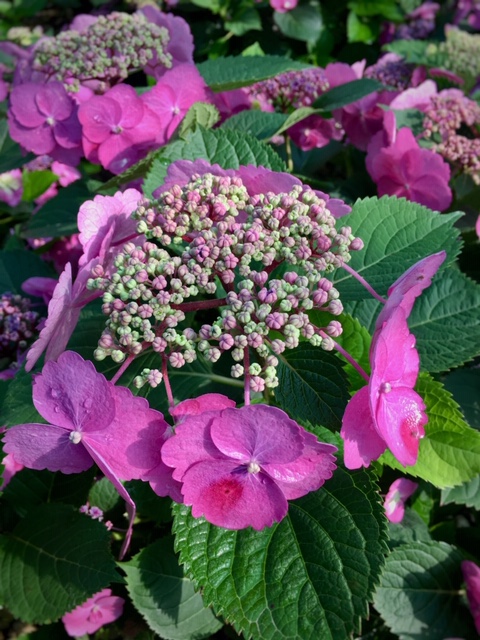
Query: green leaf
(384, 8)
(228, 148)
(58, 216)
(55, 565)
(359, 30)
(396, 234)
(11, 154)
(155, 176)
(450, 452)
(422, 52)
(467, 494)
(200, 113)
(302, 23)
(261, 124)
(165, 597)
(244, 20)
(356, 340)
(17, 405)
(464, 384)
(418, 596)
(346, 94)
(312, 386)
(411, 529)
(35, 183)
(103, 495)
(309, 577)
(224, 74)
(18, 265)
(296, 116)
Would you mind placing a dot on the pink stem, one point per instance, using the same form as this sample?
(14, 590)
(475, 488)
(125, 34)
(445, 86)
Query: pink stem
(166, 381)
(246, 366)
(200, 304)
(347, 356)
(125, 364)
(363, 282)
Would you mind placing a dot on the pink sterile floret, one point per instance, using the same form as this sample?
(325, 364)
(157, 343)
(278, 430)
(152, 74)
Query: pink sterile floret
(106, 222)
(97, 611)
(471, 575)
(387, 412)
(172, 97)
(282, 6)
(399, 492)
(89, 420)
(238, 467)
(43, 119)
(405, 169)
(117, 128)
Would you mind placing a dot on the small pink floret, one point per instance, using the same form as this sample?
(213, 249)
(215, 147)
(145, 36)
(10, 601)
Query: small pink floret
(471, 575)
(92, 615)
(400, 490)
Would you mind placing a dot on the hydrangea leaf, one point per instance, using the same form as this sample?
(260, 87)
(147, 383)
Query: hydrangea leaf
(467, 493)
(18, 265)
(346, 94)
(411, 529)
(261, 124)
(464, 384)
(396, 234)
(11, 155)
(17, 405)
(58, 216)
(450, 452)
(419, 52)
(309, 576)
(165, 597)
(418, 596)
(64, 559)
(224, 74)
(312, 386)
(28, 488)
(103, 495)
(444, 320)
(200, 113)
(155, 176)
(228, 148)
(356, 340)
(35, 183)
(302, 23)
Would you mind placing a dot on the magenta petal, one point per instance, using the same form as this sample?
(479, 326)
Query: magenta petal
(40, 140)
(471, 575)
(24, 107)
(45, 446)
(68, 133)
(308, 472)
(97, 611)
(230, 497)
(400, 419)
(257, 432)
(99, 117)
(394, 504)
(362, 443)
(130, 103)
(195, 406)
(72, 394)
(53, 101)
(261, 180)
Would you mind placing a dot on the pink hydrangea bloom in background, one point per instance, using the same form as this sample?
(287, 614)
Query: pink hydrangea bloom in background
(66, 175)
(11, 187)
(105, 223)
(97, 611)
(40, 287)
(404, 169)
(315, 132)
(477, 227)
(43, 119)
(471, 575)
(238, 467)
(400, 490)
(89, 420)
(172, 97)
(387, 412)
(282, 6)
(117, 128)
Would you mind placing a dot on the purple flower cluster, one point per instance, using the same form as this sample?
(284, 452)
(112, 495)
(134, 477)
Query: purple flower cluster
(18, 329)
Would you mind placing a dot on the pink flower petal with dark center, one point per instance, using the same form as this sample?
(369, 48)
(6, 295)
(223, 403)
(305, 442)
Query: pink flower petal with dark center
(97, 611)
(260, 433)
(131, 105)
(54, 102)
(99, 117)
(46, 446)
(231, 497)
(362, 443)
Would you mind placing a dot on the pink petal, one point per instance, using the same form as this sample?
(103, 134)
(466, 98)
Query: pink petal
(195, 406)
(53, 101)
(130, 103)
(68, 133)
(400, 419)
(99, 117)
(257, 432)
(45, 446)
(261, 180)
(400, 490)
(97, 611)
(362, 443)
(232, 498)
(471, 575)
(40, 139)
(10, 468)
(70, 393)
(308, 472)
(23, 105)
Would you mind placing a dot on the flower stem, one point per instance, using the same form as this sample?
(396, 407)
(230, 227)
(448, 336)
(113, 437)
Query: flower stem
(363, 282)
(125, 364)
(246, 366)
(200, 304)
(347, 356)
(166, 381)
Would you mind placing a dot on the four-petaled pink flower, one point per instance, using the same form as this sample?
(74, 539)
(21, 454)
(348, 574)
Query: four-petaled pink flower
(400, 490)
(89, 420)
(471, 575)
(387, 412)
(43, 119)
(99, 610)
(238, 467)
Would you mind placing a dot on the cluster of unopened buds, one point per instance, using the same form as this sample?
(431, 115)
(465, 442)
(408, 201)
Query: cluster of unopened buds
(258, 260)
